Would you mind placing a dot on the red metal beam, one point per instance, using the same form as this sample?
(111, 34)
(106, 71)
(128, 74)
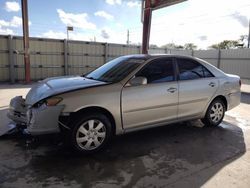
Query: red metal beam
(149, 6)
(157, 4)
(147, 14)
(26, 40)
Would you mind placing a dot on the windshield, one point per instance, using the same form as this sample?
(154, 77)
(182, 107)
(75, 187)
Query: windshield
(115, 70)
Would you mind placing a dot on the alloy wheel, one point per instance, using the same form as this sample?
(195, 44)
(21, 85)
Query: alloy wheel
(216, 112)
(91, 134)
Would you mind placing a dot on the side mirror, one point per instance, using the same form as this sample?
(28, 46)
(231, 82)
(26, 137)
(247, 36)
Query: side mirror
(140, 80)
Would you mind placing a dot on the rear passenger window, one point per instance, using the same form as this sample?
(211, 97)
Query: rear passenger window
(190, 70)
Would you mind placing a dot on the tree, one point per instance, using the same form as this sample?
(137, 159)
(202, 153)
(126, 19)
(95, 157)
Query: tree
(214, 46)
(190, 46)
(153, 46)
(226, 44)
(179, 47)
(243, 40)
(243, 37)
(172, 46)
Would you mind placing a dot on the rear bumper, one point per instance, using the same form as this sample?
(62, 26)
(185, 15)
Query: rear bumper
(233, 100)
(38, 121)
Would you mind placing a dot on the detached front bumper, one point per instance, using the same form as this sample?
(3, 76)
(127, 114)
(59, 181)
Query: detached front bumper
(44, 119)
(40, 120)
(17, 110)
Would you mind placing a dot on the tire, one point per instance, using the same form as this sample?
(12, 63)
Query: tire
(215, 113)
(91, 133)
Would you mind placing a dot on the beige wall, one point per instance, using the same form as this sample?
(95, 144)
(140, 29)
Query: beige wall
(48, 59)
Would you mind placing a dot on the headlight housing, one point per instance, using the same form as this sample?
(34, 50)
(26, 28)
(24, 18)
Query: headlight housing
(53, 101)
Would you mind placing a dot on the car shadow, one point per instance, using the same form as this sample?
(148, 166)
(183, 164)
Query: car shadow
(174, 155)
(245, 97)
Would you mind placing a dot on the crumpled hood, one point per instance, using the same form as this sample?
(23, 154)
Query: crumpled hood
(57, 85)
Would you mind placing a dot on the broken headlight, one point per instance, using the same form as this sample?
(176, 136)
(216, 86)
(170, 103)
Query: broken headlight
(53, 101)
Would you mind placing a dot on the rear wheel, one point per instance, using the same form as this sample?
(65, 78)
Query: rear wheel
(91, 133)
(215, 113)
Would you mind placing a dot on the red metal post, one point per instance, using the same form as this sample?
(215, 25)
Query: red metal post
(26, 40)
(147, 13)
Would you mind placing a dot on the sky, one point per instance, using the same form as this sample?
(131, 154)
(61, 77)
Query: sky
(202, 22)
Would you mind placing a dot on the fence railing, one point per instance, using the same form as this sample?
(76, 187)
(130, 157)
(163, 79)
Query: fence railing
(52, 57)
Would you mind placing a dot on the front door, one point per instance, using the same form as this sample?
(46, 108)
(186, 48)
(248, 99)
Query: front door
(154, 102)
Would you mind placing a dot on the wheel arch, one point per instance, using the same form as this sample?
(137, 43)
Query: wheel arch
(206, 118)
(94, 109)
(223, 98)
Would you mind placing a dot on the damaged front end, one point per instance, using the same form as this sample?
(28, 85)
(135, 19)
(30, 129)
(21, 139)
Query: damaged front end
(17, 110)
(38, 119)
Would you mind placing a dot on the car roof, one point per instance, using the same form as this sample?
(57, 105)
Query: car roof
(152, 56)
(146, 57)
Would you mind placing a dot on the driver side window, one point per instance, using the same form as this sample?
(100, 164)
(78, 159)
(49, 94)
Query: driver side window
(158, 71)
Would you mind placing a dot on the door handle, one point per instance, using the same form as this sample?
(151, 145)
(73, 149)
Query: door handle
(172, 90)
(212, 84)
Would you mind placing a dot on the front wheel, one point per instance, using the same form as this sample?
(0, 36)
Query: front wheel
(215, 113)
(91, 133)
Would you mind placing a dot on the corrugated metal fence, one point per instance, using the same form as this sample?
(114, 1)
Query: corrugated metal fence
(51, 57)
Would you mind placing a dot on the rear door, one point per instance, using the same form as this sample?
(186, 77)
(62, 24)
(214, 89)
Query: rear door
(154, 102)
(196, 87)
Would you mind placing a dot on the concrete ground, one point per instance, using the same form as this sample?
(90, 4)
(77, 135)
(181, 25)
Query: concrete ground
(178, 155)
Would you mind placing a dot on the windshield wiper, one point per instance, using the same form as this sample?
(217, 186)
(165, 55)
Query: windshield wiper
(91, 78)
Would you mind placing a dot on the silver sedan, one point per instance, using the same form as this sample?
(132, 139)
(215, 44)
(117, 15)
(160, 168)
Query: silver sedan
(126, 94)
